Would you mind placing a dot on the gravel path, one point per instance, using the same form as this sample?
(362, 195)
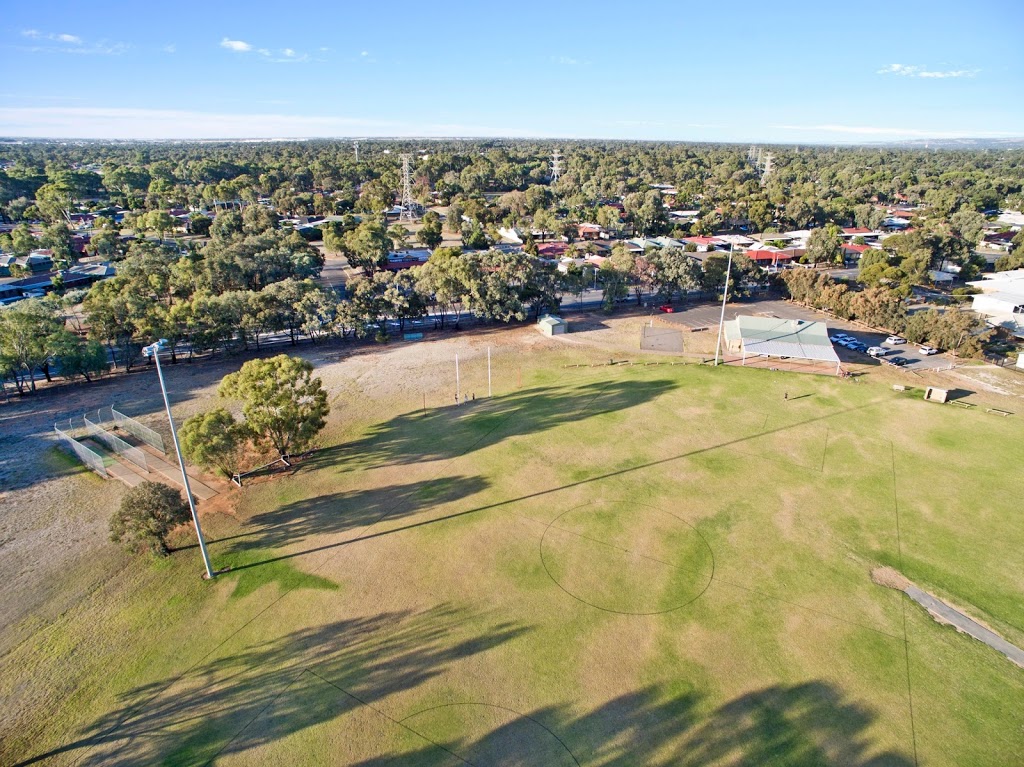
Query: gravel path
(962, 623)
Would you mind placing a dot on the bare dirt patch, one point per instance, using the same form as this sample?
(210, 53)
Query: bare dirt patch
(890, 578)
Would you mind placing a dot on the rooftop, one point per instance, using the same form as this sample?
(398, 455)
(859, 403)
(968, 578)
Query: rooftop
(782, 338)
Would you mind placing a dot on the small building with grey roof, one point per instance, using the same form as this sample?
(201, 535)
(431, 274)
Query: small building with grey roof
(771, 337)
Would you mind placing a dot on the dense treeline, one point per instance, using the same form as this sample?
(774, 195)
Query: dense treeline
(806, 186)
(250, 276)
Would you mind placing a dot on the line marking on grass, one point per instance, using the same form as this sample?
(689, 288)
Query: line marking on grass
(718, 579)
(102, 736)
(354, 697)
(142, 705)
(711, 575)
(903, 600)
(824, 451)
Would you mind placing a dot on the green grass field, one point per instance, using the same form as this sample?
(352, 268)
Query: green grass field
(607, 566)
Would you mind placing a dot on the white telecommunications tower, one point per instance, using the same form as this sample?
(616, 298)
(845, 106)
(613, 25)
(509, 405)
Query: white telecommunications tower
(356, 145)
(408, 206)
(556, 166)
(767, 168)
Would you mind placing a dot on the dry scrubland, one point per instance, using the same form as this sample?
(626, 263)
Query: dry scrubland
(623, 565)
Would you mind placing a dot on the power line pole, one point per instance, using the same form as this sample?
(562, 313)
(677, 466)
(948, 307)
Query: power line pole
(556, 166)
(153, 350)
(725, 297)
(458, 384)
(408, 210)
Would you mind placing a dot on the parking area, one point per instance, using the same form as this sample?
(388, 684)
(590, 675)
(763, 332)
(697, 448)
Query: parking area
(707, 315)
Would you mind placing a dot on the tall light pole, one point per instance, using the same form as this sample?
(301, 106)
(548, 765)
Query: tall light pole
(725, 296)
(153, 350)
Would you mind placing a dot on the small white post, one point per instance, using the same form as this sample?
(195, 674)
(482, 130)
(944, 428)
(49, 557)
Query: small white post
(488, 372)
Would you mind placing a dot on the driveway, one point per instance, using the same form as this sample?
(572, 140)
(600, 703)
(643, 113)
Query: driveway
(946, 614)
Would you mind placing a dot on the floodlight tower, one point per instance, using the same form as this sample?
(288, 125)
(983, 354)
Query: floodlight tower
(153, 351)
(408, 210)
(356, 145)
(556, 166)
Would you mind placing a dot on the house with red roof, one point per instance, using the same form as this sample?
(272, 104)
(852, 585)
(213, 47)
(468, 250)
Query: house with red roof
(703, 244)
(771, 256)
(552, 249)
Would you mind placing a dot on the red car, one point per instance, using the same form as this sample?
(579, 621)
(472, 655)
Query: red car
(667, 309)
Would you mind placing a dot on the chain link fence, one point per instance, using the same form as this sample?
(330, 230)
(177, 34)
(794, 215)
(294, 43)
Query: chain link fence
(115, 443)
(89, 457)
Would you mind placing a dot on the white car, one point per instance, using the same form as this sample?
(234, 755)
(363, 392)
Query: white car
(878, 351)
(895, 340)
(928, 350)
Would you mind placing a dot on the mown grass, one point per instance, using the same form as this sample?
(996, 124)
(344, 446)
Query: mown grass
(404, 570)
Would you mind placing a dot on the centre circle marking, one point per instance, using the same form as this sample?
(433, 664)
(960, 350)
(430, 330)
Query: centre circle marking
(704, 570)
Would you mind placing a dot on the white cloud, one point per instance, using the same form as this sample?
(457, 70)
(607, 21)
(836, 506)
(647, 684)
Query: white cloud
(128, 123)
(170, 48)
(287, 55)
(910, 70)
(63, 37)
(364, 53)
(239, 46)
(569, 61)
(951, 73)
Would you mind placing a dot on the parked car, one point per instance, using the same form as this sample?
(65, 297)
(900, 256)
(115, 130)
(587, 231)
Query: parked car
(859, 346)
(878, 351)
(667, 309)
(895, 340)
(928, 350)
(898, 361)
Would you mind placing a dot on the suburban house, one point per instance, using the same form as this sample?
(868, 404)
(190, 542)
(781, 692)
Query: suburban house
(590, 232)
(896, 222)
(703, 244)
(78, 276)
(736, 240)
(36, 262)
(552, 250)
(5, 264)
(1001, 300)
(999, 240)
(405, 259)
(770, 256)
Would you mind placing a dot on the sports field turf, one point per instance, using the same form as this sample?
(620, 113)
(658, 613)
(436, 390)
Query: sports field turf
(628, 565)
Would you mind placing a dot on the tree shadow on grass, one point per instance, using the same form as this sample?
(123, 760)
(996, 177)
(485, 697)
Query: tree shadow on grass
(338, 513)
(804, 725)
(206, 712)
(448, 432)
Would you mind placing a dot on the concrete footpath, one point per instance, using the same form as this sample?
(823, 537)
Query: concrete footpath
(956, 618)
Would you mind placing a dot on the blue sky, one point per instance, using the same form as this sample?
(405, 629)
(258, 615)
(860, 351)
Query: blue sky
(797, 72)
